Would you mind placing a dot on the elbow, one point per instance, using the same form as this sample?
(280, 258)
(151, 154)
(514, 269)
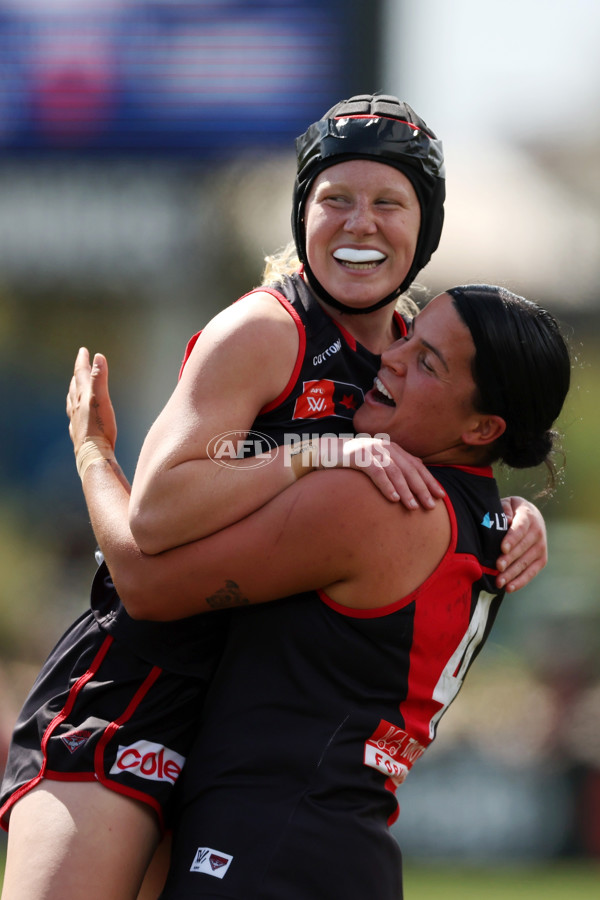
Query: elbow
(136, 596)
(144, 531)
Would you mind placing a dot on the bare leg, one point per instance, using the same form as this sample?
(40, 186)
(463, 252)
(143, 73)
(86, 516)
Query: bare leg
(78, 840)
(156, 874)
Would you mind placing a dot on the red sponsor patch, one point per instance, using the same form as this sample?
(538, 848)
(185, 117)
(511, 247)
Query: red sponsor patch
(392, 751)
(327, 398)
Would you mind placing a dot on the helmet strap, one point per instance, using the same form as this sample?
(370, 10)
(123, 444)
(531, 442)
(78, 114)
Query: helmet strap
(326, 297)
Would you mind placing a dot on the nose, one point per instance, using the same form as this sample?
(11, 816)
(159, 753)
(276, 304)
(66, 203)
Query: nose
(360, 218)
(394, 358)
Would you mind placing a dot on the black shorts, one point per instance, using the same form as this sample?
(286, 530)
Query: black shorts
(97, 712)
(240, 841)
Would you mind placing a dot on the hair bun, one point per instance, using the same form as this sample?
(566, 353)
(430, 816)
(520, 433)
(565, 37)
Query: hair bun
(524, 451)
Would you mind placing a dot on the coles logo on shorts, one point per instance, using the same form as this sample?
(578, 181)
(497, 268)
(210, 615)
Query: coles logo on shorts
(148, 760)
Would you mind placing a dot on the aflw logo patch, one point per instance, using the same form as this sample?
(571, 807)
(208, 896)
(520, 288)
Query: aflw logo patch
(211, 862)
(327, 398)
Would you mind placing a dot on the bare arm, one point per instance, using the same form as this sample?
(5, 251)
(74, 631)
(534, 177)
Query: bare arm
(303, 539)
(242, 360)
(107, 491)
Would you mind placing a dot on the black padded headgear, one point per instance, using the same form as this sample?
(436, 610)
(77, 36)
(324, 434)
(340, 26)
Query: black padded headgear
(384, 129)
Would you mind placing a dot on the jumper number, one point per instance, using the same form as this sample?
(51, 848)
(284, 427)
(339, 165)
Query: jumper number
(453, 674)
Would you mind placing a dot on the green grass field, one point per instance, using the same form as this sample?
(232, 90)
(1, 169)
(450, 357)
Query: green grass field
(577, 881)
(556, 882)
(553, 882)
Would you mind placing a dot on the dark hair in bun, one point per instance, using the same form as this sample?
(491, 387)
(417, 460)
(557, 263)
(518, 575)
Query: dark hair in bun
(521, 368)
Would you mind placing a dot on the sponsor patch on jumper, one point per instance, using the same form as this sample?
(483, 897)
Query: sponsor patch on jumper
(321, 357)
(327, 398)
(495, 520)
(392, 751)
(211, 862)
(75, 739)
(148, 760)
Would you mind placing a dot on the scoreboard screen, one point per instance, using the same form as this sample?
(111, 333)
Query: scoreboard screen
(167, 76)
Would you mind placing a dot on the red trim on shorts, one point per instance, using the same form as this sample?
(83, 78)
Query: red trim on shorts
(60, 717)
(110, 731)
(77, 687)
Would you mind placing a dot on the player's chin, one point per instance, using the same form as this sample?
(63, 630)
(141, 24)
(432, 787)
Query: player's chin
(371, 418)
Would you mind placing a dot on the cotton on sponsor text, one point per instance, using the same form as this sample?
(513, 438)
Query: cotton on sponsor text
(321, 357)
(148, 760)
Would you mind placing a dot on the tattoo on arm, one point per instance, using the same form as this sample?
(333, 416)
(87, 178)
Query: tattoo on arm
(227, 596)
(99, 422)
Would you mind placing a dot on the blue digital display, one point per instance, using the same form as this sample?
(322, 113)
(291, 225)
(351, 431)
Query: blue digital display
(166, 76)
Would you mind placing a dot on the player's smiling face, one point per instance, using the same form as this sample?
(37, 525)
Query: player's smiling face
(423, 395)
(362, 225)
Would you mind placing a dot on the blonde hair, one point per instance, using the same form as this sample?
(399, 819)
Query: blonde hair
(283, 262)
(286, 262)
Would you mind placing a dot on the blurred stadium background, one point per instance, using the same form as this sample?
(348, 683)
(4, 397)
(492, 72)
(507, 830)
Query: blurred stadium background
(146, 166)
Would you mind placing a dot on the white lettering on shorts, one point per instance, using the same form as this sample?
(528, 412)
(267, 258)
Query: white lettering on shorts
(148, 760)
(211, 862)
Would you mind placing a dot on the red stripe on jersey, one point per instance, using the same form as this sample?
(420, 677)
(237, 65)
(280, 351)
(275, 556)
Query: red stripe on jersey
(444, 634)
(388, 609)
(188, 352)
(301, 348)
(301, 351)
(482, 471)
(351, 340)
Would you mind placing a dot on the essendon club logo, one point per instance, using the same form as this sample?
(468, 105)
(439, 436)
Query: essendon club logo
(211, 862)
(76, 739)
(327, 398)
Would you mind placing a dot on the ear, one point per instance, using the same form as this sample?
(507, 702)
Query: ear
(485, 430)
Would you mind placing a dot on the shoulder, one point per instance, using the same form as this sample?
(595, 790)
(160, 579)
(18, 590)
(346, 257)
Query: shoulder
(255, 336)
(391, 551)
(374, 530)
(260, 311)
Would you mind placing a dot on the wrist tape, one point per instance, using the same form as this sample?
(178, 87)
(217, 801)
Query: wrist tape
(92, 450)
